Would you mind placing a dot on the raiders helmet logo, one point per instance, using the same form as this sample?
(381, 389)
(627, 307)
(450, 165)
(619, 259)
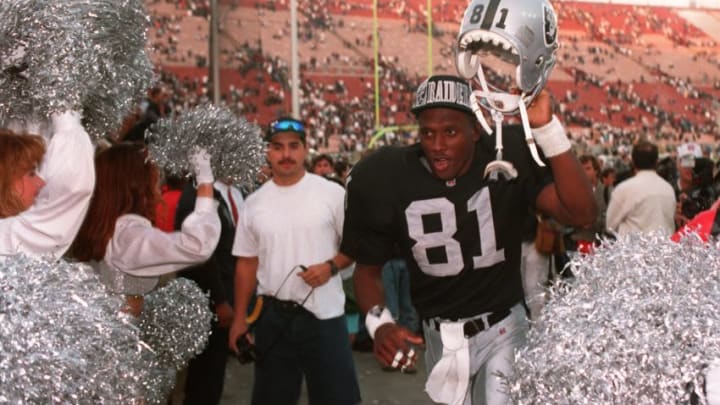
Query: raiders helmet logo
(550, 26)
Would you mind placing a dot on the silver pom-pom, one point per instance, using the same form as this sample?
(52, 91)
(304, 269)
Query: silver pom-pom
(63, 339)
(118, 32)
(46, 60)
(175, 323)
(86, 55)
(235, 144)
(640, 324)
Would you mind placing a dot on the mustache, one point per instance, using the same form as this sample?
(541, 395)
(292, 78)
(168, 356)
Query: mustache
(288, 160)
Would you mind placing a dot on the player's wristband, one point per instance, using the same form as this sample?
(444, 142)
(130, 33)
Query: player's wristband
(551, 138)
(376, 317)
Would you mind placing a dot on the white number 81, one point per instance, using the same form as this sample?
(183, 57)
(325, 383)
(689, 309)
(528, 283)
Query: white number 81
(478, 203)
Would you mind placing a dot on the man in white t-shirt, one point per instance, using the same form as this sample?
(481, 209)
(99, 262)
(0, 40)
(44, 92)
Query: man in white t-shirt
(294, 220)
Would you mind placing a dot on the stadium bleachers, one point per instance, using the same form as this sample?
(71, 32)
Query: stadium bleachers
(664, 68)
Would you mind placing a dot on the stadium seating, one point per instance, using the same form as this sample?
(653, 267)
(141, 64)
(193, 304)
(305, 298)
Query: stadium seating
(623, 66)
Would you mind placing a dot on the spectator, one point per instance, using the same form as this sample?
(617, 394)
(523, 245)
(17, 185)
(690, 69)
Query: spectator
(206, 371)
(608, 181)
(591, 233)
(322, 165)
(645, 201)
(170, 193)
(295, 219)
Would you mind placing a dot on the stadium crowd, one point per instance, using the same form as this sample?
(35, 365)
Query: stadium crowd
(341, 107)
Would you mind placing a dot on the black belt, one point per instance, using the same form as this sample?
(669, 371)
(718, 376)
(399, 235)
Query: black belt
(476, 325)
(282, 305)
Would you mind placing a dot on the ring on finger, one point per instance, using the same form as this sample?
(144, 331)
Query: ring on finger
(396, 360)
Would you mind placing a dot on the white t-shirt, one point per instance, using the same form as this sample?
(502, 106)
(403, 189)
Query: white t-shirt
(286, 226)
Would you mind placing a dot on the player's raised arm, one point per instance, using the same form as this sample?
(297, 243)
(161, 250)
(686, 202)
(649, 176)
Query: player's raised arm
(569, 199)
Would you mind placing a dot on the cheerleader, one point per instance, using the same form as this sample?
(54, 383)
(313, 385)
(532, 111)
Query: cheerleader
(44, 189)
(118, 237)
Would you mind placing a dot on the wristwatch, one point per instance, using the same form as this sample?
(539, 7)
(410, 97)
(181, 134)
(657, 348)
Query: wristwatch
(333, 267)
(376, 311)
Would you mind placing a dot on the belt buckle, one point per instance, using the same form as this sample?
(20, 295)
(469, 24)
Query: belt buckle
(289, 306)
(473, 327)
(470, 329)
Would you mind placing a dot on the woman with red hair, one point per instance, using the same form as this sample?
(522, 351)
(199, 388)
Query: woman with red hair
(118, 236)
(44, 190)
(19, 161)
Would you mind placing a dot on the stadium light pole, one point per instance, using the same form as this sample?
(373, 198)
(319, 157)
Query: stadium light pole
(214, 54)
(294, 64)
(376, 72)
(376, 50)
(430, 37)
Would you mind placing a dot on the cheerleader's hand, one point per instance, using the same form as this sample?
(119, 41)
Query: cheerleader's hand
(66, 122)
(200, 162)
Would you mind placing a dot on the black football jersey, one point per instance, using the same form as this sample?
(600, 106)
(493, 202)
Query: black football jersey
(461, 239)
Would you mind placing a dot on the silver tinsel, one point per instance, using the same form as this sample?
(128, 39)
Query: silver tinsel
(235, 144)
(84, 55)
(63, 338)
(638, 326)
(175, 323)
(46, 60)
(118, 31)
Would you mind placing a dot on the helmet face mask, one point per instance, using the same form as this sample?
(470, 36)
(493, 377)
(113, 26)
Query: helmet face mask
(522, 33)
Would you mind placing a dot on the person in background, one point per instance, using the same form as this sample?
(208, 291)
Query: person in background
(322, 165)
(342, 169)
(170, 193)
(294, 220)
(589, 235)
(608, 180)
(694, 188)
(687, 154)
(644, 202)
(206, 371)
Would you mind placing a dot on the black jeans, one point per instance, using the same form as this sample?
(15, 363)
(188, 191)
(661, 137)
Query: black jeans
(293, 343)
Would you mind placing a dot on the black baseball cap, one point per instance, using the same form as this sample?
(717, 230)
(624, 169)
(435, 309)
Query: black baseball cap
(285, 124)
(443, 91)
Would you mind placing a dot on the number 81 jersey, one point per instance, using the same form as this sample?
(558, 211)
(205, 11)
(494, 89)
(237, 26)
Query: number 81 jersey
(461, 238)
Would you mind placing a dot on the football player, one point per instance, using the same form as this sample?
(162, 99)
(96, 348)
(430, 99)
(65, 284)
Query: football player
(460, 230)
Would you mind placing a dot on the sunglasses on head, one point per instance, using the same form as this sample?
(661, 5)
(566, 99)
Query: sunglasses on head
(287, 125)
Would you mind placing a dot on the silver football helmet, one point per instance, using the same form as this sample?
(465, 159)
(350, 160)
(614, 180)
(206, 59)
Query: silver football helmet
(521, 32)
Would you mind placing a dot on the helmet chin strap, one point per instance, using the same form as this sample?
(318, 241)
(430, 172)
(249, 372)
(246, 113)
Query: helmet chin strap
(500, 104)
(528, 135)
